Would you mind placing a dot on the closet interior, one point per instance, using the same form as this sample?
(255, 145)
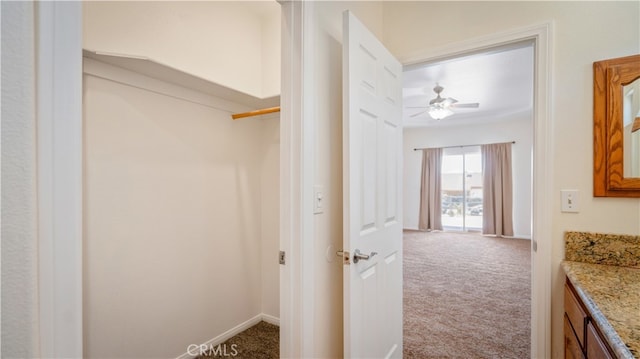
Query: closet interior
(181, 203)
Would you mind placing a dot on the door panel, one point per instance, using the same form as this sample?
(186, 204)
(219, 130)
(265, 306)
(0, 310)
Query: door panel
(372, 135)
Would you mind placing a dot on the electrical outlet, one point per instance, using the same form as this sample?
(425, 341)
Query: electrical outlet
(570, 200)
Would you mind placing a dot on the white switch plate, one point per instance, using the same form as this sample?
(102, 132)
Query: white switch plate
(318, 199)
(570, 200)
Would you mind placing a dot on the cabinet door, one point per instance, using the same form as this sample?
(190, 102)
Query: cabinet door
(596, 349)
(577, 316)
(572, 348)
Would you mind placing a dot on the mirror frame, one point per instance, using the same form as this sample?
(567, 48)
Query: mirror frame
(608, 78)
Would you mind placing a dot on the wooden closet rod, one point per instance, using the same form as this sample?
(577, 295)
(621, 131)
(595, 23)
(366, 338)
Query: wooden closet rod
(426, 148)
(263, 111)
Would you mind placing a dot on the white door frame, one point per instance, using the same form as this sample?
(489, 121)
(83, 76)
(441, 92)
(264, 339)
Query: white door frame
(60, 187)
(296, 181)
(542, 36)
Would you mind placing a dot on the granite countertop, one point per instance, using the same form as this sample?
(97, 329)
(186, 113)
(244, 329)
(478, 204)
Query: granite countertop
(612, 297)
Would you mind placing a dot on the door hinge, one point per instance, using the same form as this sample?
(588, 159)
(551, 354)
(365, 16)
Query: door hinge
(281, 257)
(345, 256)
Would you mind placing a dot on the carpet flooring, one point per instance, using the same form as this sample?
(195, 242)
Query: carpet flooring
(261, 341)
(466, 296)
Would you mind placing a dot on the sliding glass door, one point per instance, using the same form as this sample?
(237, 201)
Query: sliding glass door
(462, 189)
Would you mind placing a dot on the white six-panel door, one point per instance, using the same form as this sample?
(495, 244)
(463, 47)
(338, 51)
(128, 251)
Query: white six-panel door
(372, 136)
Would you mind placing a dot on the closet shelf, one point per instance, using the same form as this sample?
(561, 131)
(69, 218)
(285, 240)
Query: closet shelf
(160, 71)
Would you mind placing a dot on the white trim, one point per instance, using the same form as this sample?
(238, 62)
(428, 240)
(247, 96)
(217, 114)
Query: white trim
(542, 35)
(1, 81)
(59, 116)
(270, 319)
(296, 182)
(226, 335)
(542, 194)
(288, 332)
(308, 165)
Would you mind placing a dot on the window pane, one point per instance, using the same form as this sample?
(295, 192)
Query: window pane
(452, 190)
(473, 191)
(462, 189)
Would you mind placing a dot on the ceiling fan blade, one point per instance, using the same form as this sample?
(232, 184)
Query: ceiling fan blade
(416, 106)
(465, 105)
(419, 113)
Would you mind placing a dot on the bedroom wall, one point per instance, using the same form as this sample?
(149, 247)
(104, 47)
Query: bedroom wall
(577, 26)
(178, 240)
(198, 37)
(516, 128)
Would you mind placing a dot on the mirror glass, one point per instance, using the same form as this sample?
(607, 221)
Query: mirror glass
(631, 130)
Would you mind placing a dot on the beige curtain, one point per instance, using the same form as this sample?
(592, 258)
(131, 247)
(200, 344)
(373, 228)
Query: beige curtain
(430, 202)
(497, 216)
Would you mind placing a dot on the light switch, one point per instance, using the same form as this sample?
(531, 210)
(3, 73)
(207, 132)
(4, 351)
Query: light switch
(570, 200)
(318, 199)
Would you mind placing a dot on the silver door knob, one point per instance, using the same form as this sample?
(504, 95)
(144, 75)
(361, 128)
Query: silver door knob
(357, 256)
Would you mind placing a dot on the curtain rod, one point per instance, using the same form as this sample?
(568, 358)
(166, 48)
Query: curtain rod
(263, 111)
(480, 144)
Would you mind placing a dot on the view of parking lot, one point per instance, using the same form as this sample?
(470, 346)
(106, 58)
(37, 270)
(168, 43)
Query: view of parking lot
(462, 189)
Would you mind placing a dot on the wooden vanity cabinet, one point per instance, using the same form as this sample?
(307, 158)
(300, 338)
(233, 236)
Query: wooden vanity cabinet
(581, 337)
(596, 347)
(575, 321)
(572, 348)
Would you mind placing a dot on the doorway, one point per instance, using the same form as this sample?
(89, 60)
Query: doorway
(462, 191)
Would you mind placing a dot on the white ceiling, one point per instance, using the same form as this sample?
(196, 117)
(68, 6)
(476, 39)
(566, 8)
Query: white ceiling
(500, 80)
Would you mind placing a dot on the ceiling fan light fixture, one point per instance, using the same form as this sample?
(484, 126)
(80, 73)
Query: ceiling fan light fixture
(440, 107)
(438, 113)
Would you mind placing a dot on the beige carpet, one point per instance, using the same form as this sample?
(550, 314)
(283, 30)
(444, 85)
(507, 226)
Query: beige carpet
(262, 341)
(466, 296)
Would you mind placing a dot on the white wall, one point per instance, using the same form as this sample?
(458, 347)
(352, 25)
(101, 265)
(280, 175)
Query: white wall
(20, 322)
(235, 44)
(175, 192)
(518, 128)
(270, 51)
(584, 32)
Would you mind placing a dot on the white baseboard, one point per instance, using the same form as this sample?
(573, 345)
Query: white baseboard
(271, 319)
(410, 229)
(233, 331)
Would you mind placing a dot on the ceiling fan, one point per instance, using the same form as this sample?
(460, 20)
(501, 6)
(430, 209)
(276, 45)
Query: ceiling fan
(440, 108)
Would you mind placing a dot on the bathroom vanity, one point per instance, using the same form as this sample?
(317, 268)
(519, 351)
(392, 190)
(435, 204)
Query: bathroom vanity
(602, 296)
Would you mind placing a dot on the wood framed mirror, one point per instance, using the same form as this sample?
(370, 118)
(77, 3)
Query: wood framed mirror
(616, 130)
